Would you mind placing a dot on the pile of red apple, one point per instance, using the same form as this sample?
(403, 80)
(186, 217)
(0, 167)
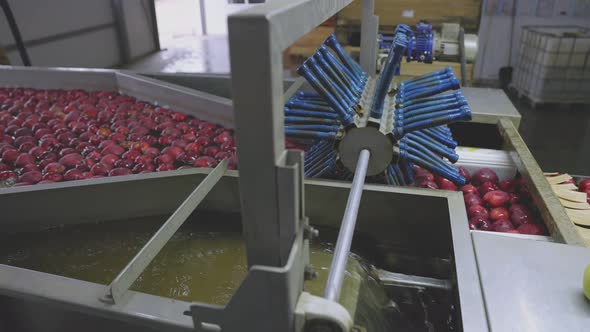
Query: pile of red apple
(492, 205)
(61, 135)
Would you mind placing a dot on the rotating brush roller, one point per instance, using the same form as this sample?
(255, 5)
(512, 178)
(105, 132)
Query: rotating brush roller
(402, 124)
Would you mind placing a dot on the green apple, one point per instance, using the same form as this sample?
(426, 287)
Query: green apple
(587, 282)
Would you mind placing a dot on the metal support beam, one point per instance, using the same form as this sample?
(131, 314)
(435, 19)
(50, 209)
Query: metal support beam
(121, 29)
(126, 278)
(257, 37)
(154, 23)
(369, 31)
(203, 13)
(338, 266)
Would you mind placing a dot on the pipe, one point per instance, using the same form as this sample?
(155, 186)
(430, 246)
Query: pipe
(309, 120)
(338, 266)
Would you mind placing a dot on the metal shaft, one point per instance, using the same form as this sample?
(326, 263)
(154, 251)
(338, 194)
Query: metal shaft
(338, 266)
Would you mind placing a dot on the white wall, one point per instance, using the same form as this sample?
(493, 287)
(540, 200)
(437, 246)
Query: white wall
(217, 12)
(494, 33)
(100, 48)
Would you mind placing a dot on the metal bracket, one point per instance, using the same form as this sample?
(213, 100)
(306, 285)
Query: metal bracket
(120, 285)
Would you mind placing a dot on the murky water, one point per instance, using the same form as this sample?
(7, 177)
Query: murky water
(205, 261)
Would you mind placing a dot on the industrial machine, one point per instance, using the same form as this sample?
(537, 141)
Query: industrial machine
(280, 210)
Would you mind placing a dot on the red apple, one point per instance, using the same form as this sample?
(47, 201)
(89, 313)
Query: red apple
(427, 184)
(484, 175)
(486, 187)
(508, 185)
(31, 177)
(502, 225)
(477, 210)
(472, 199)
(444, 184)
(584, 185)
(496, 198)
(499, 213)
(469, 189)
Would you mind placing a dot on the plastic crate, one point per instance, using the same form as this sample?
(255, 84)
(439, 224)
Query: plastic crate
(554, 65)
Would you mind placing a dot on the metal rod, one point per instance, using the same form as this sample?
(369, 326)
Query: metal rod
(144, 257)
(338, 266)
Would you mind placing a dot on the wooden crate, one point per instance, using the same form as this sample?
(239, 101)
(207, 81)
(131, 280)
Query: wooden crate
(391, 12)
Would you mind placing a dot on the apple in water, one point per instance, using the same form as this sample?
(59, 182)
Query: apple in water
(496, 198)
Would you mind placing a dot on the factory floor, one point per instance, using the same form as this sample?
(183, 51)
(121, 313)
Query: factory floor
(557, 135)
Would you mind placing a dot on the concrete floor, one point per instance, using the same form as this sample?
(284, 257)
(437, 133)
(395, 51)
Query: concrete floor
(557, 135)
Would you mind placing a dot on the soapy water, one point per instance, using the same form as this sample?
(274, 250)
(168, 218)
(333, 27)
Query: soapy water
(205, 261)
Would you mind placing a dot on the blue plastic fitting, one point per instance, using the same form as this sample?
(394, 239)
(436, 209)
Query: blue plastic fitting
(345, 117)
(421, 102)
(316, 114)
(429, 110)
(460, 114)
(352, 77)
(455, 178)
(344, 57)
(334, 76)
(309, 106)
(452, 83)
(437, 147)
(324, 128)
(310, 134)
(438, 137)
(329, 84)
(307, 94)
(309, 120)
(427, 116)
(443, 71)
(394, 58)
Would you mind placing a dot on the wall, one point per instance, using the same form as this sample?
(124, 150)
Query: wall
(495, 50)
(75, 33)
(217, 12)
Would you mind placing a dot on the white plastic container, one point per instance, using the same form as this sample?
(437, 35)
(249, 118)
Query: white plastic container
(554, 64)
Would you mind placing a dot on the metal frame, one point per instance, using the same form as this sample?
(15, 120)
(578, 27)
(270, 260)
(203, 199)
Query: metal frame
(120, 285)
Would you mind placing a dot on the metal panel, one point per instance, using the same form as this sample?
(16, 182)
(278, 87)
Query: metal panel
(553, 213)
(369, 31)
(532, 285)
